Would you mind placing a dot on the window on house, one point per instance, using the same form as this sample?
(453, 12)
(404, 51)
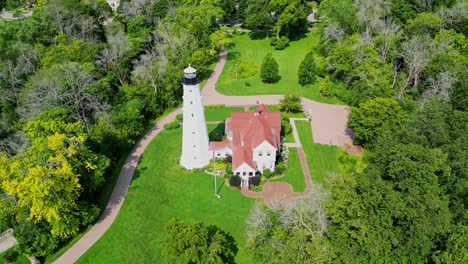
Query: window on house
(238, 173)
(244, 173)
(260, 153)
(218, 154)
(250, 173)
(268, 153)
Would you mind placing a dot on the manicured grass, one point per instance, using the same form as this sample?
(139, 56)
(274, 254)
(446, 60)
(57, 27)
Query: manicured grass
(322, 159)
(254, 50)
(161, 190)
(220, 113)
(294, 174)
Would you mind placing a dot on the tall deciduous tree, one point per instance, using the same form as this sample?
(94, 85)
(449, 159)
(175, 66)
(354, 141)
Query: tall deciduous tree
(373, 117)
(197, 243)
(269, 71)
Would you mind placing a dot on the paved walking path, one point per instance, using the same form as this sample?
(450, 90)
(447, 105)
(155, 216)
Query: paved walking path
(328, 123)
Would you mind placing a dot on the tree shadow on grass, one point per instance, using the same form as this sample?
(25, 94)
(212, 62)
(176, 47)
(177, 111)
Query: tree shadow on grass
(233, 55)
(217, 134)
(256, 35)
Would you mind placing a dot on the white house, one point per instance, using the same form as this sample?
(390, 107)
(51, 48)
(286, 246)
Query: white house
(253, 141)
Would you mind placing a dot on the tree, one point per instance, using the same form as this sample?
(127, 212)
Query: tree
(290, 16)
(269, 71)
(291, 104)
(341, 12)
(49, 179)
(373, 117)
(307, 70)
(258, 15)
(197, 243)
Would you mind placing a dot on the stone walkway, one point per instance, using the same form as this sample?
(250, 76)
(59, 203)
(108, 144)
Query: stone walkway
(328, 123)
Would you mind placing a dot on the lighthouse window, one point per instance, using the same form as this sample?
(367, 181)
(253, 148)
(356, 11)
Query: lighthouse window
(194, 146)
(193, 133)
(191, 102)
(192, 115)
(190, 90)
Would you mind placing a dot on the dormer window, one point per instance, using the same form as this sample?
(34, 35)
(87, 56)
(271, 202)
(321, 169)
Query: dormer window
(260, 153)
(268, 153)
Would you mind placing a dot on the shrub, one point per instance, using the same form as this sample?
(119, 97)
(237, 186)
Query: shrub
(254, 181)
(326, 87)
(291, 104)
(243, 69)
(286, 128)
(267, 173)
(172, 125)
(180, 117)
(280, 168)
(280, 43)
(247, 84)
(229, 169)
(235, 181)
(228, 159)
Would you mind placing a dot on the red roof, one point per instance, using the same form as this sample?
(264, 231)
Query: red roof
(249, 130)
(215, 145)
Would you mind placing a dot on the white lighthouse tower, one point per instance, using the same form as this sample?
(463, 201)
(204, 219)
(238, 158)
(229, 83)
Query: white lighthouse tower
(195, 144)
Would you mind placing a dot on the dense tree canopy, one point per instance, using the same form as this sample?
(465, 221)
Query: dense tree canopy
(197, 243)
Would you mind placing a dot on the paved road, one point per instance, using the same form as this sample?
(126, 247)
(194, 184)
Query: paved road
(328, 123)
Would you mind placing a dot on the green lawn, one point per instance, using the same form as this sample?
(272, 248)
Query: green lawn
(161, 190)
(218, 113)
(254, 50)
(294, 174)
(322, 159)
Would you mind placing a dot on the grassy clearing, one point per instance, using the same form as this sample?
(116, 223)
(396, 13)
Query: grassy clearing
(254, 50)
(161, 190)
(220, 113)
(294, 174)
(322, 159)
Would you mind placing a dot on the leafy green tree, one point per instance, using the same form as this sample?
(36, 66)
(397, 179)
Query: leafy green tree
(291, 104)
(257, 15)
(49, 179)
(197, 243)
(307, 70)
(341, 12)
(290, 16)
(394, 210)
(269, 71)
(424, 23)
(373, 117)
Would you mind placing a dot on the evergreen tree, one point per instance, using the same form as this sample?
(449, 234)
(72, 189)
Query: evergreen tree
(270, 72)
(307, 70)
